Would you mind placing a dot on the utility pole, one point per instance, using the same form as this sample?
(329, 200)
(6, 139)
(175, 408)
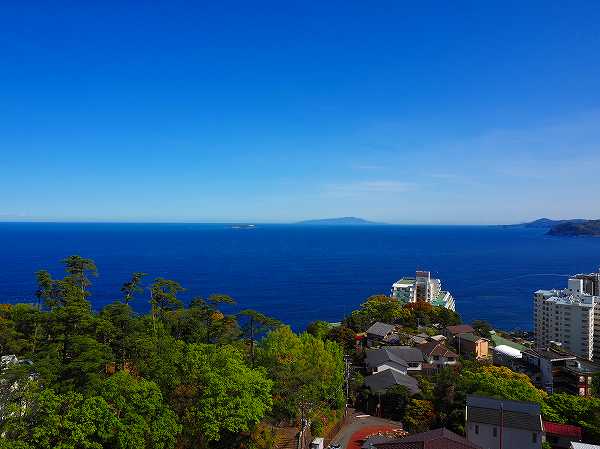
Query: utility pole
(501, 422)
(347, 380)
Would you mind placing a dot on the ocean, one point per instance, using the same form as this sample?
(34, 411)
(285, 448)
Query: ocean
(303, 273)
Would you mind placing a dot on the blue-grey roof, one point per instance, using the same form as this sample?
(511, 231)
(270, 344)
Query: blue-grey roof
(501, 412)
(407, 353)
(383, 380)
(380, 329)
(378, 357)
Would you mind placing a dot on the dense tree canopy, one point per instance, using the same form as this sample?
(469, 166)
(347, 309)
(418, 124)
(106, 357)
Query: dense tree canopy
(307, 371)
(184, 376)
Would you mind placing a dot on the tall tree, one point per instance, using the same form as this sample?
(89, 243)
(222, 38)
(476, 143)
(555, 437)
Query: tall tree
(258, 324)
(215, 319)
(133, 286)
(78, 269)
(164, 297)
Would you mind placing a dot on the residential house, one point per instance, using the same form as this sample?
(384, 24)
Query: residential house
(413, 356)
(473, 346)
(560, 436)
(493, 423)
(434, 439)
(401, 358)
(451, 332)
(378, 360)
(438, 355)
(382, 380)
(380, 334)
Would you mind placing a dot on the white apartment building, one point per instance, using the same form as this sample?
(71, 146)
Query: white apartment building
(422, 288)
(569, 317)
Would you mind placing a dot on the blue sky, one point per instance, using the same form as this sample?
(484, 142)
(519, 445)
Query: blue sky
(470, 112)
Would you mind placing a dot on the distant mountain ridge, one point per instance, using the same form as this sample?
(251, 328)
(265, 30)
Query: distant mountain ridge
(339, 221)
(545, 223)
(567, 228)
(573, 228)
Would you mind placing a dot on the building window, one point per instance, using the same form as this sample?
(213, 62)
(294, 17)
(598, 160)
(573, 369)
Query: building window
(495, 432)
(476, 429)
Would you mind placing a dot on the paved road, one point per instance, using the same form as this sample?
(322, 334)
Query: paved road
(356, 424)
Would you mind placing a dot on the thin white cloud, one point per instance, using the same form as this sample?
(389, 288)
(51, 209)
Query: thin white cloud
(369, 167)
(360, 188)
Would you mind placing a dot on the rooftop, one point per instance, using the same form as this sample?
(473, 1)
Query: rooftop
(386, 379)
(434, 439)
(404, 282)
(460, 329)
(515, 414)
(436, 348)
(497, 340)
(549, 354)
(378, 357)
(470, 337)
(563, 430)
(380, 329)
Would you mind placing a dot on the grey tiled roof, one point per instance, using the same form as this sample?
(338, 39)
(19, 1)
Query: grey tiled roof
(514, 414)
(380, 329)
(407, 353)
(377, 357)
(385, 379)
(398, 354)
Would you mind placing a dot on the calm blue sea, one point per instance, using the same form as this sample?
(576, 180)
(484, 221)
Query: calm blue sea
(301, 273)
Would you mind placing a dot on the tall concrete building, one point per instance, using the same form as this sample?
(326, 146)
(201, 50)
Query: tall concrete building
(591, 283)
(422, 288)
(569, 317)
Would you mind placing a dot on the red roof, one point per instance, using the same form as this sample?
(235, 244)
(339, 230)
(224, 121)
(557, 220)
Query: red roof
(563, 430)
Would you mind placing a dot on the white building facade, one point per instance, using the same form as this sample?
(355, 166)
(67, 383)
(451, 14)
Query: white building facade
(569, 317)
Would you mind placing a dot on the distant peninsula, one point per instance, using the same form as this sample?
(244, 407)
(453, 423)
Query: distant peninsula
(340, 221)
(579, 228)
(567, 228)
(544, 223)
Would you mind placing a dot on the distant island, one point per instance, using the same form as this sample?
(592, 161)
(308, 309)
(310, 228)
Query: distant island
(338, 221)
(576, 228)
(243, 226)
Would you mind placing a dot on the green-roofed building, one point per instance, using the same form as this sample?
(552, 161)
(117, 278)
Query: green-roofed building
(497, 340)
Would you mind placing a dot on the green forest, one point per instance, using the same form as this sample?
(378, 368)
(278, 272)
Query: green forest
(185, 376)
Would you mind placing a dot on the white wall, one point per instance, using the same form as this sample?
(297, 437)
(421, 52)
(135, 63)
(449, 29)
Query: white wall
(399, 368)
(511, 438)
